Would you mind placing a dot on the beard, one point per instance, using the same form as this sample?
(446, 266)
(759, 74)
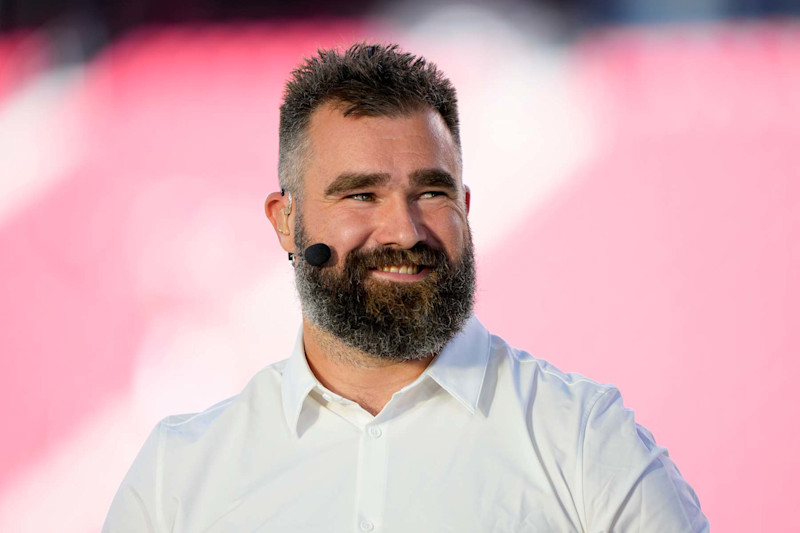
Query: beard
(397, 321)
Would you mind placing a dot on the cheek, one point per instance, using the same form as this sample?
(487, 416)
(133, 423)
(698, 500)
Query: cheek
(449, 227)
(346, 231)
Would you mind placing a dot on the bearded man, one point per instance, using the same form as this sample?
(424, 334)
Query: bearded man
(397, 411)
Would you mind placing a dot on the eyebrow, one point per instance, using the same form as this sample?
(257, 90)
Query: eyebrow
(429, 177)
(433, 177)
(350, 182)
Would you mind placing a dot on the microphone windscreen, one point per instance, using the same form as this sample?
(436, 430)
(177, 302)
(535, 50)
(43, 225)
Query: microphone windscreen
(317, 254)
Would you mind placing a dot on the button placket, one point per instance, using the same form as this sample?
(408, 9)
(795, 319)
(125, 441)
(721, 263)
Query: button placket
(370, 500)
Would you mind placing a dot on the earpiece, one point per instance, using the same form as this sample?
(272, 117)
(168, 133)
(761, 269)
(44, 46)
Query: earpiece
(288, 209)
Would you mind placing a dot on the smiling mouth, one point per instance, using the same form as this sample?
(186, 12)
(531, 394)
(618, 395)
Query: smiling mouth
(401, 269)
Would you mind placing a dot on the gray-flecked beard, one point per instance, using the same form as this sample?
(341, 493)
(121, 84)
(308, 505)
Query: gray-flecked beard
(397, 321)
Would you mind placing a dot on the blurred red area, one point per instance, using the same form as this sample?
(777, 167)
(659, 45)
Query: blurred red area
(22, 55)
(669, 267)
(178, 122)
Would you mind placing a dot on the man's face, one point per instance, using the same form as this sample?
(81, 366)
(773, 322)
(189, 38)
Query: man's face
(385, 193)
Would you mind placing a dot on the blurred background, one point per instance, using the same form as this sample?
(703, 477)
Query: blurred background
(635, 170)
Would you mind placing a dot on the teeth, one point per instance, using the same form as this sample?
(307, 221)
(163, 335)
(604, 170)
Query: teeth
(400, 269)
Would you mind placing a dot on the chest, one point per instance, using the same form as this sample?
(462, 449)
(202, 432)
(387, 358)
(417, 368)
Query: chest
(448, 471)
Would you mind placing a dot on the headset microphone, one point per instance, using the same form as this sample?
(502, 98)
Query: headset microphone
(316, 254)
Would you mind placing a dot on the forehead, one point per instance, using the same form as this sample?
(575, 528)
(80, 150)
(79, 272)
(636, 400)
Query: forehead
(395, 145)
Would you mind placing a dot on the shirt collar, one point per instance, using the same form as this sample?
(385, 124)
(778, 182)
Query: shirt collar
(297, 381)
(459, 369)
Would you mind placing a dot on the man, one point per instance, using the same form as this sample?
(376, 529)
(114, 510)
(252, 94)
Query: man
(397, 411)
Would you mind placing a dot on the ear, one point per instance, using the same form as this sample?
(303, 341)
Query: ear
(466, 197)
(278, 212)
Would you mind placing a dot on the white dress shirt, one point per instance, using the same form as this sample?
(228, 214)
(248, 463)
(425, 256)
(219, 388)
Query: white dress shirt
(487, 439)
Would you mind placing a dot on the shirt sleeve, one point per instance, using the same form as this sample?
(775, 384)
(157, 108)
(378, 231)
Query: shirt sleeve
(134, 506)
(629, 483)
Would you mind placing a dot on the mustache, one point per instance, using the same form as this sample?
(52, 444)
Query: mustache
(420, 254)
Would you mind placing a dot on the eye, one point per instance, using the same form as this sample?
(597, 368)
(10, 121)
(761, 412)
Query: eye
(431, 194)
(362, 196)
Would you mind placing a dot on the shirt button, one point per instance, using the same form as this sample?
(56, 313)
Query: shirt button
(374, 432)
(327, 397)
(366, 525)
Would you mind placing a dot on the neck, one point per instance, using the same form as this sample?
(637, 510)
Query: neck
(355, 375)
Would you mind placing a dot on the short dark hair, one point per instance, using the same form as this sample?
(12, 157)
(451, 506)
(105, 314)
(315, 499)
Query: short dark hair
(367, 79)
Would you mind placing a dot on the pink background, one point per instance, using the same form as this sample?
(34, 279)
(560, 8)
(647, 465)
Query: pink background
(636, 213)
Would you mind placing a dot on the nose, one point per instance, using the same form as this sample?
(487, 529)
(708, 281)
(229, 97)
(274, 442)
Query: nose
(400, 225)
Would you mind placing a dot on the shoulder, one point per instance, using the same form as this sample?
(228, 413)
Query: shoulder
(258, 398)
(193, 424)
(184, 449)
(544, 385)
(619, 475)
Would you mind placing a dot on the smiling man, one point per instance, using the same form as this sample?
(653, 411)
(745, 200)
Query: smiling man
(396, 411)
